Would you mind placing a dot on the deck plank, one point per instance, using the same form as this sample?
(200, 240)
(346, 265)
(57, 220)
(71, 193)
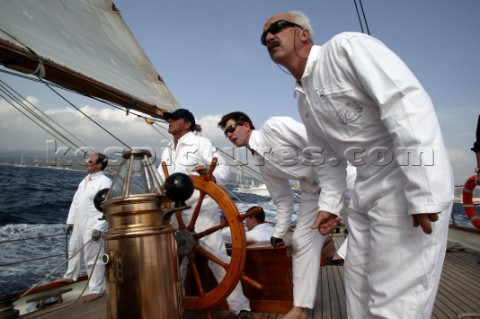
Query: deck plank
(458, 294)
(459, 285)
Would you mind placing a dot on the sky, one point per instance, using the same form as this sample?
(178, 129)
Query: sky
(209, 54)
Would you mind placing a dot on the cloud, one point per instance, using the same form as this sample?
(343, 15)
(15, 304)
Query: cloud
(211, 130)
(18, 132)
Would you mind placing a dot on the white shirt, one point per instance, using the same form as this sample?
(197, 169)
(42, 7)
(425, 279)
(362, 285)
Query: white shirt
(193, 150)
(261, 232)
(82, 203)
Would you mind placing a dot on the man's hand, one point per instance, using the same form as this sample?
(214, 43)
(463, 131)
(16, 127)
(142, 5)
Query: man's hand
(326, 222)
(425, 221)
(96, 234)
(202, 171)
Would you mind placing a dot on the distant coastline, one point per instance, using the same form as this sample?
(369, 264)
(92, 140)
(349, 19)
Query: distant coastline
(65, 168)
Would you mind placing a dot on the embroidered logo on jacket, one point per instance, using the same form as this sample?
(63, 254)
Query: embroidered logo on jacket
(350, 113)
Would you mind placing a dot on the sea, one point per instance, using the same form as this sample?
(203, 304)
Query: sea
(34, 204)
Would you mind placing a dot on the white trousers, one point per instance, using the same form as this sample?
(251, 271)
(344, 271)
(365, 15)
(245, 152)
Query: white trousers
(81, 234)
(393, 269)
(307, 246)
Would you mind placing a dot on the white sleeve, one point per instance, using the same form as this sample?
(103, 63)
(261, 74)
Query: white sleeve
(72, 213)
(331, 177)
(160, 169)
(282, 197)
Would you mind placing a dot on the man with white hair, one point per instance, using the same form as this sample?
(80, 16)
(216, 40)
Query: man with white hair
(360, 103)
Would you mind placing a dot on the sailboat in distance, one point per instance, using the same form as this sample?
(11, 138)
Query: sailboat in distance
(21, 164)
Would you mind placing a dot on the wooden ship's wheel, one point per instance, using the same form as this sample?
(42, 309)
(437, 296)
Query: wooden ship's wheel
(187, 238)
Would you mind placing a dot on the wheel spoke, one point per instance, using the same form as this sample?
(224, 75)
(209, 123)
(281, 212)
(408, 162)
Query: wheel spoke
(209, 231)
(193, 220)
(213, 291)
(178, 215)
(212, 257)
(196, 273)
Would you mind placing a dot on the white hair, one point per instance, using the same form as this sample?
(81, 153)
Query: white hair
(301, 19)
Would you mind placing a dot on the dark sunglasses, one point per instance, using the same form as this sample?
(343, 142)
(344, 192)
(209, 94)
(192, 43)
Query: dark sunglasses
(91, 163)
(233, 127)
(276, 27)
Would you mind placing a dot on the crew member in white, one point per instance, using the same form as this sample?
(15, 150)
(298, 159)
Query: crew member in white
(86, 225)
(257, 229)
(192, 154)
(361, 104)
(279, 148)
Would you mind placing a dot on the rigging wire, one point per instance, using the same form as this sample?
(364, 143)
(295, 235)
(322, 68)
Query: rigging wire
(35, 118)
(363, 15)
(30, 108)
(39, 80)
(78, 109)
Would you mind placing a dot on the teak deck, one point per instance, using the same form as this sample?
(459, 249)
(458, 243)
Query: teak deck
(458, 295)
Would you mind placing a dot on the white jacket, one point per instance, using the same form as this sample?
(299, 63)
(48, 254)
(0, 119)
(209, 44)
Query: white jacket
(261, 232)
(82, 207)
(193, 150)
(360, 103)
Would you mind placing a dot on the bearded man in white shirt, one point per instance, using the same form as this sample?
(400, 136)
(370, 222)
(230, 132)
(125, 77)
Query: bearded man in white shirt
(189, 153)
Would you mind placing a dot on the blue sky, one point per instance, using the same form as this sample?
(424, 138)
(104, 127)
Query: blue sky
(210, 56)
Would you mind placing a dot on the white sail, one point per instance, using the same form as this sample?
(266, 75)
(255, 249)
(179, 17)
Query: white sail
(84, 45)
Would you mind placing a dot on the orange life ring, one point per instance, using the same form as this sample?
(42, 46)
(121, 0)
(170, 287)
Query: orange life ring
(468, 201)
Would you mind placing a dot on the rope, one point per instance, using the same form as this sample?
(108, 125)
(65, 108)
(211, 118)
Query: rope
(56, 269)
(28, 238)
(29, 260)
(80, 294)
(364, 17)
(34, 117)
(28, 77)
(95, 122)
